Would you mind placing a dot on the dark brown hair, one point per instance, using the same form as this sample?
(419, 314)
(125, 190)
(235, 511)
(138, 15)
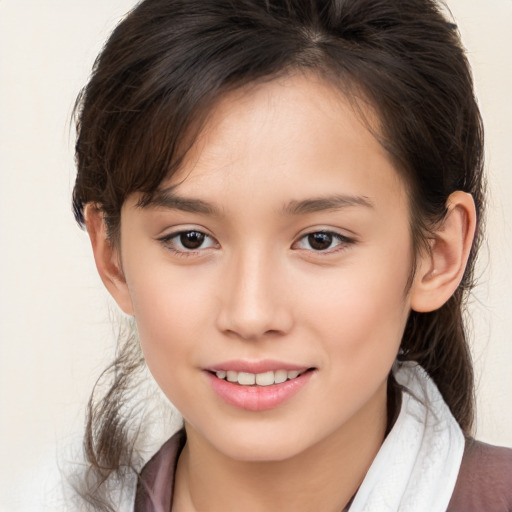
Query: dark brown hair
(167, 63)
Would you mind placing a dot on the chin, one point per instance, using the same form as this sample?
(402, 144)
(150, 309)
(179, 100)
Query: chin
(257, 451)
(262, 443)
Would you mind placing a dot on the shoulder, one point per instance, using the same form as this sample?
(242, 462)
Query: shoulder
(485, 479)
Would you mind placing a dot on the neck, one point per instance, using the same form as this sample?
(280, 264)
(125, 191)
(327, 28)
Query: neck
(323, 477)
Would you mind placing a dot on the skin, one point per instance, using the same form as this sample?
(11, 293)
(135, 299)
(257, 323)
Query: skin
(256, 289)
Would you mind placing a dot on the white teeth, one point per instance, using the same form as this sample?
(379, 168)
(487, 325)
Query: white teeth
(260, 379)
(280, 376)
(265, 379)
(232, 376)
(246, 379)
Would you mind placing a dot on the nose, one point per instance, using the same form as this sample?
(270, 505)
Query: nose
(254, 298)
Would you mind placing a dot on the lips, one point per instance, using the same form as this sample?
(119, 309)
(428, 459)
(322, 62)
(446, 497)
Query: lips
(257, 386)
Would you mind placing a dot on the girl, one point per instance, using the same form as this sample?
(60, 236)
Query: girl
(286, 196)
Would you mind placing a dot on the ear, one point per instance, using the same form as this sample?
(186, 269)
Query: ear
(440, 270)
(107, 258)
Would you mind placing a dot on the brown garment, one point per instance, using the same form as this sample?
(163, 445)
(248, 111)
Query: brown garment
(484, 483)
(156, 482)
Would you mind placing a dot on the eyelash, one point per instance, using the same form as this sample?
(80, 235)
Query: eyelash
(342, 242)
(167, 241)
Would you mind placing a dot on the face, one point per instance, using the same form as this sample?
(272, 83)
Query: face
(269, 277)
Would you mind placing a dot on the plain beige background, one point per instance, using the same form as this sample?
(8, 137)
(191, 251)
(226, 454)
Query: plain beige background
(55, 335)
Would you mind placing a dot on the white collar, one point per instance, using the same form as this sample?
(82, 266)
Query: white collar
(416, 467)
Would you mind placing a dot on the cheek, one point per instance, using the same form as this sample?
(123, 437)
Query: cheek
(170, 312)
(360, 328)
(168, 301)
(362, 310)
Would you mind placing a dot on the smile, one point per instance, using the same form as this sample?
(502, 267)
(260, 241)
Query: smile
(258, 379)
(259, 391)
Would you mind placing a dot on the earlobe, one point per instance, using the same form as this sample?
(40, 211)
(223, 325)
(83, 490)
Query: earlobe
(440, 270)
(107, 259)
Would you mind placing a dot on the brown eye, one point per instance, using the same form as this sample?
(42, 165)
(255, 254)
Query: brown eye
(320, 241)
(188, 242)
(192, 239)
(326, 242)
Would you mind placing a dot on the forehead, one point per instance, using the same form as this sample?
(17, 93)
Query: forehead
(286, 140)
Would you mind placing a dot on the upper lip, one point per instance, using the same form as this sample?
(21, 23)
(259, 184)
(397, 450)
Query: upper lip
(263, 366)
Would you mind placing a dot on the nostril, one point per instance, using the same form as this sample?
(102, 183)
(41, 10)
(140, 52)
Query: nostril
(247, 318)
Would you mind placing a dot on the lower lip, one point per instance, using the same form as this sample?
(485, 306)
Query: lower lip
(258, 398)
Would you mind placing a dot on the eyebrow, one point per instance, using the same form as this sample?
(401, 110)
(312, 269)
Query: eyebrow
(335, 202)
(168, 199)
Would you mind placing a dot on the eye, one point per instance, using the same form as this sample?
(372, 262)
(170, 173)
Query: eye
(323, 241)
(188, 241)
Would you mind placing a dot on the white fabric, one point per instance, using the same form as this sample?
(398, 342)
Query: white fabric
(418, 463)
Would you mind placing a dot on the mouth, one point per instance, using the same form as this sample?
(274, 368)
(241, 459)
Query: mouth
(263, 379)
(264, 390)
